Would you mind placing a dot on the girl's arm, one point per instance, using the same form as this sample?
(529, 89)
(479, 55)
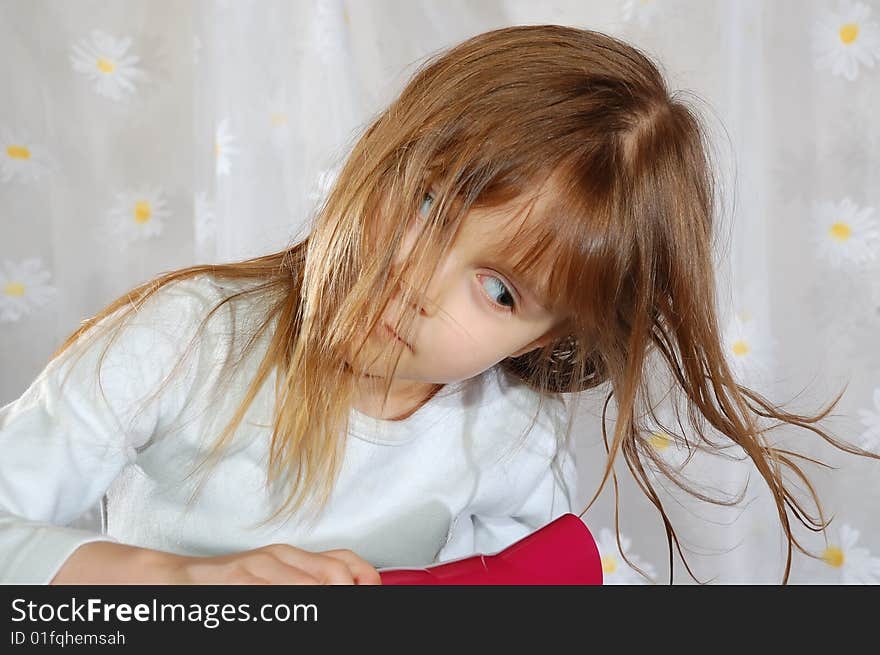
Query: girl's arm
(62, 445)
(110, 563)
(115, 563)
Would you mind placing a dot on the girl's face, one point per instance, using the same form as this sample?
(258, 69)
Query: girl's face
(473, 314)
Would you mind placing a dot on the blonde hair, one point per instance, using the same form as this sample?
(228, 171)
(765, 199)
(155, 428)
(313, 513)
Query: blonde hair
(623, 250)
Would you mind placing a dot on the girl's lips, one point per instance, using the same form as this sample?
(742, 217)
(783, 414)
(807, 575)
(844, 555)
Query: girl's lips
(392, 333)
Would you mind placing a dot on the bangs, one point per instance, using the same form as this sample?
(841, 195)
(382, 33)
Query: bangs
(546, 251)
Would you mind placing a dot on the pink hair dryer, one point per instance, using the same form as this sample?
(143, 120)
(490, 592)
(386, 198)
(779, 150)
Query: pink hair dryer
(563, 552)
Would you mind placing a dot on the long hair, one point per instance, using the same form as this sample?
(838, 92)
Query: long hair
(622, 249)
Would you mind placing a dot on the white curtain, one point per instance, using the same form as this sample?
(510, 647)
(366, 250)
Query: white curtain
(141, 136)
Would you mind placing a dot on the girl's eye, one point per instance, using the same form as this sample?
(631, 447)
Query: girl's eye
(504, 295)
(428, 199)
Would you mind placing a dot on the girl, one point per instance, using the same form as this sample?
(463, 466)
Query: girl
(532, 217)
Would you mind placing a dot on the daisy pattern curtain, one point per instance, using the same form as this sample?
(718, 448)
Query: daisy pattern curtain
(141, 136)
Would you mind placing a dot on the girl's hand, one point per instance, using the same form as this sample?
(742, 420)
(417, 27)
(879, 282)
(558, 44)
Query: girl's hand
(273, 564)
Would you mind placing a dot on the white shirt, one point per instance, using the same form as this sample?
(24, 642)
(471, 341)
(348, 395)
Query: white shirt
(451, 480)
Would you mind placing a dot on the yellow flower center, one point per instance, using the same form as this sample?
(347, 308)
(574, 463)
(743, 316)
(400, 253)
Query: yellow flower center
(849, 33)
(660, 440)
(14, 289)
(279, 118)
(106, 65)
(142, 212)
(609, 564)
(840, 231)
(216, 148)
(740, 348)
(833, 556)
(18, 152)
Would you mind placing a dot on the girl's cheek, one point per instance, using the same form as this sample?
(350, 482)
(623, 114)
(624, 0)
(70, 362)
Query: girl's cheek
(405, 248)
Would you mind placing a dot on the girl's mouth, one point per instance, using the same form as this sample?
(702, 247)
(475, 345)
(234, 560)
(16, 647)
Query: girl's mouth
(390, 332)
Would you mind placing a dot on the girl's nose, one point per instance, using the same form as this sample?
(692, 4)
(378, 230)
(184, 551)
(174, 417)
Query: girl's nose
(420, 301)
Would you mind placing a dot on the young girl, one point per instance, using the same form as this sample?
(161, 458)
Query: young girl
(532, 217)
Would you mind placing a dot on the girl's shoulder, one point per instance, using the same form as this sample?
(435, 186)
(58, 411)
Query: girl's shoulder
(511, 397)
(174, 307)
(204, 287)
(191, 299)
(171, 318)
(524, 398)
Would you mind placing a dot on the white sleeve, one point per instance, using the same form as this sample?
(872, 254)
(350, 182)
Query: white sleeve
(548, 496)
(62, 446)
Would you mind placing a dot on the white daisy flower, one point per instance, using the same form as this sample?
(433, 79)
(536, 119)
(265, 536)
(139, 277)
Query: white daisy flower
(223, 148)
(615, 570)
(138, 215)
(845, 235)
(748, 347)
(870, 438)
(643, 10)
(23, 288)
(205, 220)
(22, 160)
(856, 565)
(843, 38)
(104, 60)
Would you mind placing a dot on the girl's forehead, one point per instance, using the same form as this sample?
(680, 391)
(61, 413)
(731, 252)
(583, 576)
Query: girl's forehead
(499, 222)
(507, 228)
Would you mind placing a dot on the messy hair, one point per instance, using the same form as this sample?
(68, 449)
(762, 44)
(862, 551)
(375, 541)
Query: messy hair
(622, 251)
